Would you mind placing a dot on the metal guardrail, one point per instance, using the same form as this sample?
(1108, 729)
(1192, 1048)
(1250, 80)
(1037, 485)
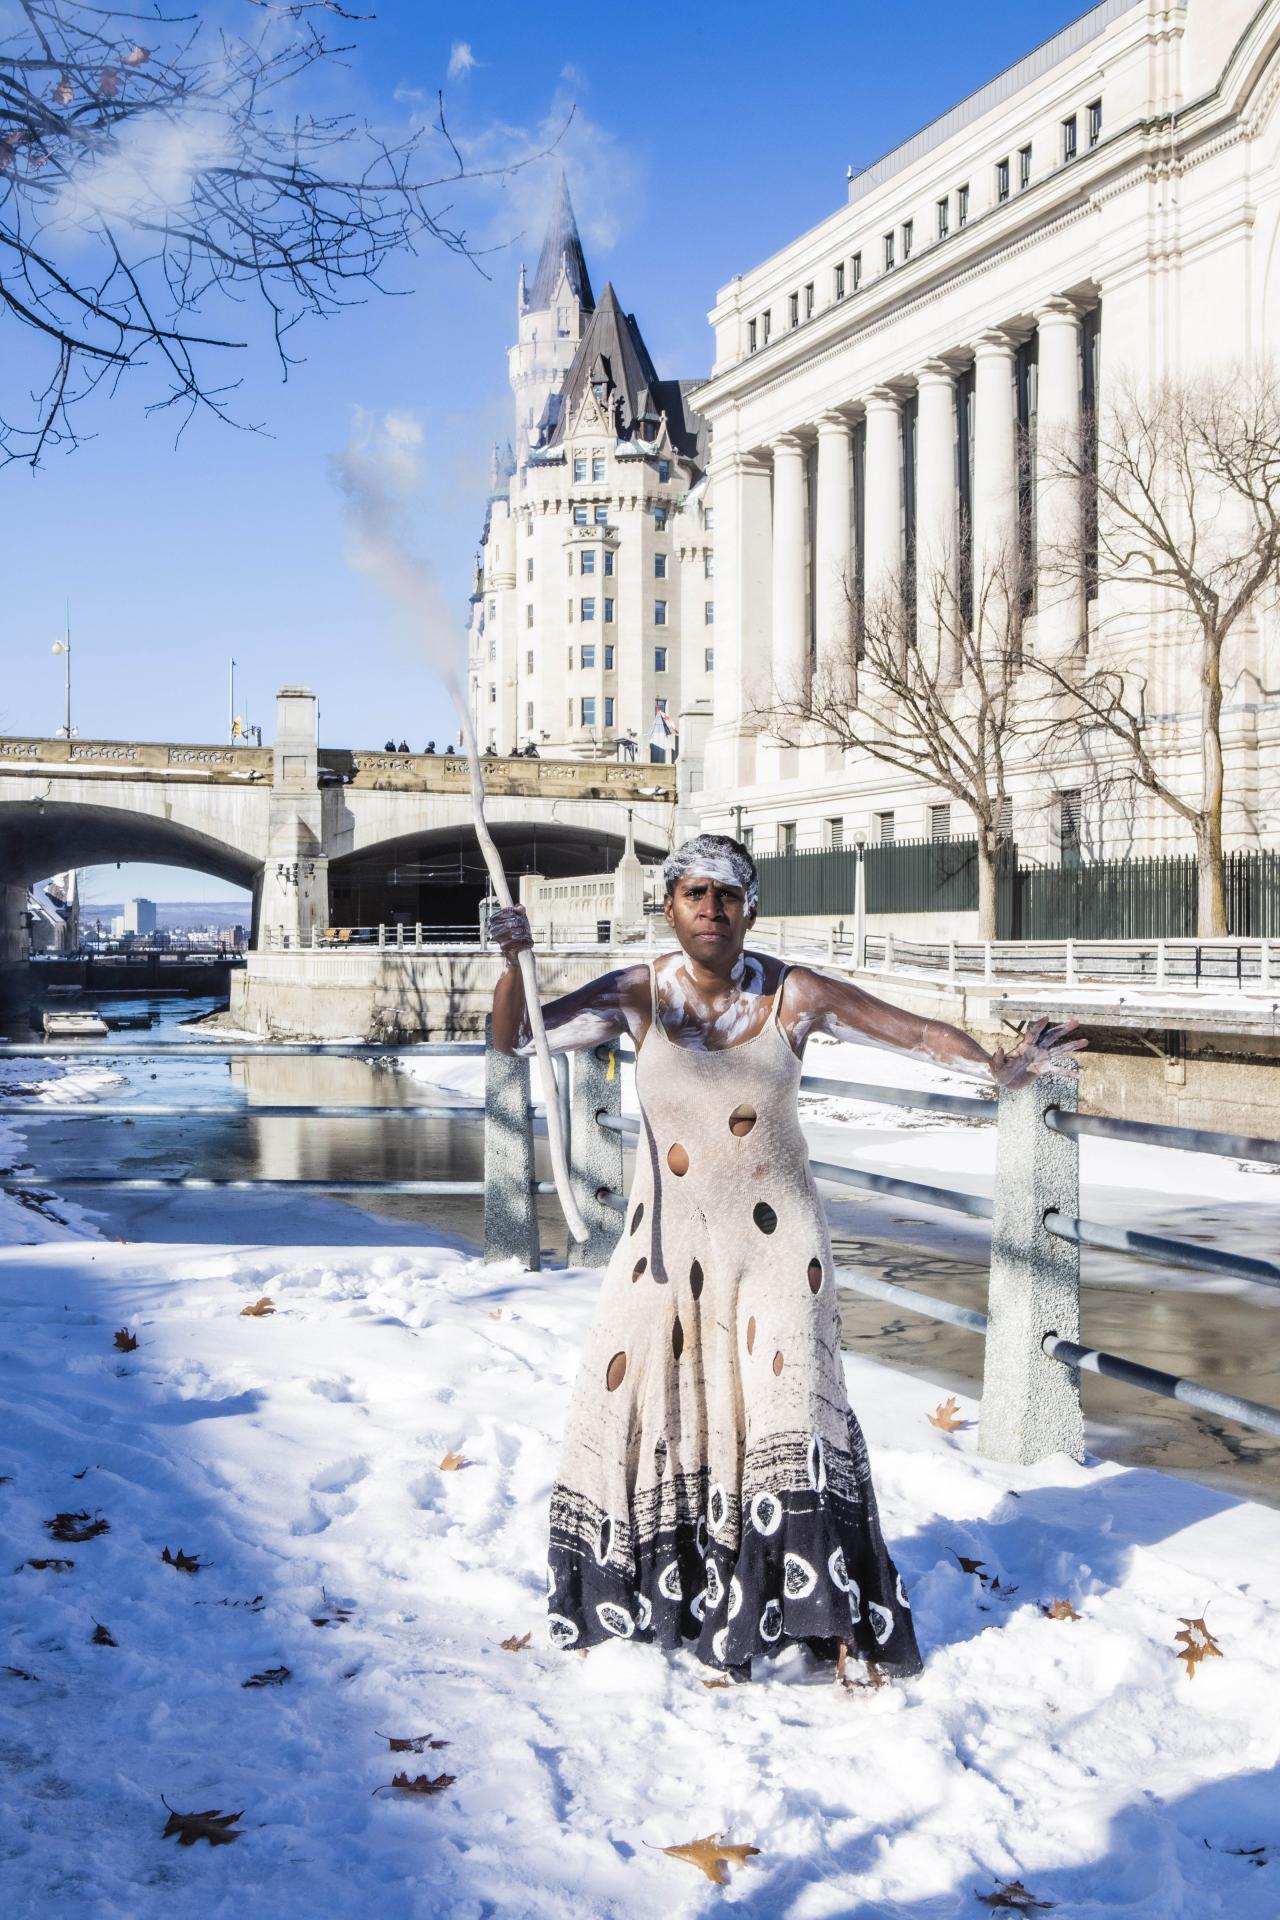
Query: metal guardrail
(1235, 963)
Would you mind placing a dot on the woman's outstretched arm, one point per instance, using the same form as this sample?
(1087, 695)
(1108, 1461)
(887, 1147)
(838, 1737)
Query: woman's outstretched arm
(824, 1004)
(601, 1010)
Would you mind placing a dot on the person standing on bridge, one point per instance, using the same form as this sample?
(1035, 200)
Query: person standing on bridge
(714, 1490)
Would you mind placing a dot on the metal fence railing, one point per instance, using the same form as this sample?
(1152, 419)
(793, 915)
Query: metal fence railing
(1178, 965)
(1030, 1402)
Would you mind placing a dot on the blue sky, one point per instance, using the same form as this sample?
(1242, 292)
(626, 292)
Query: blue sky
(701, 141)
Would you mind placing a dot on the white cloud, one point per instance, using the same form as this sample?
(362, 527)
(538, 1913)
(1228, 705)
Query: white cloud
(461, 60)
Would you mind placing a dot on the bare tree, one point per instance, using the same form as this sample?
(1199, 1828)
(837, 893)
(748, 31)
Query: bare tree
(926, 684)
(1179, 490)
(139, 181)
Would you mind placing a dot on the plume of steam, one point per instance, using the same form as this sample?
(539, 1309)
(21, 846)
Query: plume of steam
(461, 60)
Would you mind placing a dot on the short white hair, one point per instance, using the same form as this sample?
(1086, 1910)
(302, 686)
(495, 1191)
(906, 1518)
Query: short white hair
(716, 857)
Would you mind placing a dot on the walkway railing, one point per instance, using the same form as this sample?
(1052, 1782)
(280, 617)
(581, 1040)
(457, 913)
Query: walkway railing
(1176, 965)
(1030, 1403)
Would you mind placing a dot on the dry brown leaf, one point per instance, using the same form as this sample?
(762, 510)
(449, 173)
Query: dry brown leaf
(1197, 1643)
(496, 1313)
(970, 1566)
(136, 57)
(259, 1310)
(63, 93)
(334, 1613)
(109, 83)
(211, 1825)
(184, 1562)
(452, 1461)
(125, 1340)
(948, 1417)
(401, 1783)
(1060, 1610)
(416, 1743)
(514, 1645)
(103, 1636)
(52, 1566)
(1013, 1896)
(74, 1528)
(269, 1677)
(711, 1684)
(712, 1855)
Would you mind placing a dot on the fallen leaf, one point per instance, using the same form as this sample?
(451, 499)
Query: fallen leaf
(185, 1563)
(417, 1743)
(1197, 1643)
(211, 1825)
(496, 1313)
(259, 1310)
(711, 1856)
(1006, 1592)
(81, 1474)
(52, 1566)
(451, 1462)
(970, 1566)
(255, 1605)
(103, 1636)
(269, 1677)
(1012, 1895)
(711, 1684)
(948, 1417)
(125, 1340)
(1060, 1610)
(514, 1645)
(333, 1615)
(401, 1783)
(77, 1527)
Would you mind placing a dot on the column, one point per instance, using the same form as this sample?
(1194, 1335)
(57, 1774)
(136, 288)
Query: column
(790, 652)
(295, 891)
(740, 485)
(937, 623)
(832, 552)
(995, 480)
(1060, 612)
(882, 563)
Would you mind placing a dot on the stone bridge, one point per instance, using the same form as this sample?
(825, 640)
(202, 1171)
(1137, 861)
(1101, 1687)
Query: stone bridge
(311, 832)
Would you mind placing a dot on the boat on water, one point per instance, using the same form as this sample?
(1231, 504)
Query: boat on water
(85, 1024)
(64, 993)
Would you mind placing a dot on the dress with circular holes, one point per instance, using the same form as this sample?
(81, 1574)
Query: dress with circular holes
(710, 1385)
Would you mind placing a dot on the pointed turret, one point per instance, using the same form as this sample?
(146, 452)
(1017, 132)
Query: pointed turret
(561, 255)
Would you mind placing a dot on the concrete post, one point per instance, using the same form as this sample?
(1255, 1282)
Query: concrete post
(1030, 1403)
(295, 890)
(597, 1155)
(510, 1208)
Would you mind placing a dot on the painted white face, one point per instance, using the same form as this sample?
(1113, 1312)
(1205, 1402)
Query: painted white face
(721, 872)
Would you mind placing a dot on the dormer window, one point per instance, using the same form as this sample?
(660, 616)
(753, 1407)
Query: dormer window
(664, 470)
(598, 388)
(579, 466)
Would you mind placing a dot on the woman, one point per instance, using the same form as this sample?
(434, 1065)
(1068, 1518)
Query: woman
(714, 1488)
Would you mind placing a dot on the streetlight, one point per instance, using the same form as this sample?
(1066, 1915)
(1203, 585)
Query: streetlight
(64, 648)
(860, 903)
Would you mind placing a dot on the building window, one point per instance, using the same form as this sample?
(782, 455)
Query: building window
(856, 270)
(1004, 818)
(908, 238)
(528, 661)
(884, 829)
(589, 710)
(597, 466)
(608, 652)
(659, 613)
(1069, 827)
(1002, 179)
(808, 301)
(766, 326)
(659, 519)
(1069, 137)
(598, 387)
(493, 649)
(793, 308)
(664, 472)
(608, 709)
(579, 516)
(749, 838)
(708, 659)
(888, 252)
(940, 821)
(709, 518)
(1094, 111)
(608, 620)
(659, 566)
(835, 833)
(528, 568)
(787, 836)
(1024, 169)
(528, 716)
(493, 694)
(589, 656)
(944, 215)
(660, 705)
(608, 564)
(708, 613)
(751, 336)
(837, 281)
(602, 516)
(962, 206)
(708, 566)
(587, 560)
(660, 659)
(493, 609)
(589, 609)
(579, 466)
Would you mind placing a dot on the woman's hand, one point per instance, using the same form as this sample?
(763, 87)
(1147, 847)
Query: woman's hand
(509, 927)
(1041, 1049)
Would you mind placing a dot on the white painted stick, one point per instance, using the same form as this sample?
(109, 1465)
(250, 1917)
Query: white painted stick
(529, 974)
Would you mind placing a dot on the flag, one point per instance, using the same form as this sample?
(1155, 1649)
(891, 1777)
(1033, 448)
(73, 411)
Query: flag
(662, 732)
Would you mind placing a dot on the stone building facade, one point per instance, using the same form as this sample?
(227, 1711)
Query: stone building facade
(1108, 206)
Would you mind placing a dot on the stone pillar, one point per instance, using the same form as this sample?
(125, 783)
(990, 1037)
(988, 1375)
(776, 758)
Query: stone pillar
(628, 886)
(1060, 610)
(597, 1154)
(832, 550)
(790, 650)
(510, 1208)
(882, 514)
(995, 477)
(744, 582)
(295, 881)
(936, 530)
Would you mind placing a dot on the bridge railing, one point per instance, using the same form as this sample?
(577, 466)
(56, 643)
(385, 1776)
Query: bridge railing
(1030, 1401)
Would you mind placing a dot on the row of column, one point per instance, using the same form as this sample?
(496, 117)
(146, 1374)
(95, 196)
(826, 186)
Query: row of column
(761, 506)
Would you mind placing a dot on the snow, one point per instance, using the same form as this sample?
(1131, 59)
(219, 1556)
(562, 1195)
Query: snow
(297, 1455)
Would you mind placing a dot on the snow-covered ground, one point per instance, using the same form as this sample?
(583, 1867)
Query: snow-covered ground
(297, 1456)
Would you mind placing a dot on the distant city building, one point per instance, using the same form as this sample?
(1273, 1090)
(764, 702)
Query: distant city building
(139, 916)
(593, 610)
